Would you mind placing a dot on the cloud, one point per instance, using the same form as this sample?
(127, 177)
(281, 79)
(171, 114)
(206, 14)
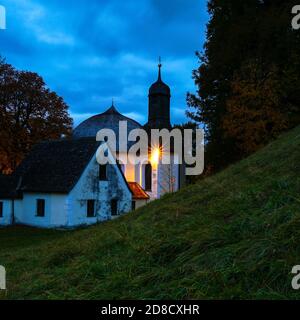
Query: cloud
(91, 52)
(178, 112)
(56, 38)
(136, 116)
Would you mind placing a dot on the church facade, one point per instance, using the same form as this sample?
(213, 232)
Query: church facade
(60, 184)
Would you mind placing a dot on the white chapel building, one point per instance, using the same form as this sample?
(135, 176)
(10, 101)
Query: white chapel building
(60, 184)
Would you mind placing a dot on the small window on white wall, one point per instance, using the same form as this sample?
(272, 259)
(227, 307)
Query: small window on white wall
(90, 208)
(103, 172)
(114, 207)
(40, 207)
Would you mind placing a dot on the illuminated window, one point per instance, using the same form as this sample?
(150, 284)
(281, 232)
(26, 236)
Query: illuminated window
(155, 155)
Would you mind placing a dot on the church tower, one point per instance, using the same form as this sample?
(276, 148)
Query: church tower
(159, 104)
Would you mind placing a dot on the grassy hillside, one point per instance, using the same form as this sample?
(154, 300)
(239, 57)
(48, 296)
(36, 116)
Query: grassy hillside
(233, 235)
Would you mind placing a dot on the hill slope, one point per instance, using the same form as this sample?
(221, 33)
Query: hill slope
(233, 235)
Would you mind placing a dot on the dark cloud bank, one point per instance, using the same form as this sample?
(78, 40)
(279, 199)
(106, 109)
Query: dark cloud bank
(92, 51)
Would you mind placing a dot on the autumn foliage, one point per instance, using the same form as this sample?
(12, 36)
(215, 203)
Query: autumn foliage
(248, 78)
(253, 113)
(29, 113)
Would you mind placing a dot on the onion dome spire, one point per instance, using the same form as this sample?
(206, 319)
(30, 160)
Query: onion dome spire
(159, 87)
(159, 103)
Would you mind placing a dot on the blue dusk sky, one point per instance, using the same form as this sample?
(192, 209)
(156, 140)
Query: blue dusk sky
(92, 51)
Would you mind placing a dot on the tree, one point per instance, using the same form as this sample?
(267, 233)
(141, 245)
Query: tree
(254, 115)
(29, 113)
(252, 36)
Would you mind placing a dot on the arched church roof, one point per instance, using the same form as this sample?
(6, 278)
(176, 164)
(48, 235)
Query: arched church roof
(106, 120)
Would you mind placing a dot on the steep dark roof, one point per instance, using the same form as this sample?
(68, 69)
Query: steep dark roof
(55, 166)
(106, 120)
(8, 185)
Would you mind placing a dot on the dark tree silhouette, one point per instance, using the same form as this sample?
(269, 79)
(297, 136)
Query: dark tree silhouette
(29, 113)
(248, 78)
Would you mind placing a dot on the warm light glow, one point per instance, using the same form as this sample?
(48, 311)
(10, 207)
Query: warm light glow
(155, 155)
(130, 172)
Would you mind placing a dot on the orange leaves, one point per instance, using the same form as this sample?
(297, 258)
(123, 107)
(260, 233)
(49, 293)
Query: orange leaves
(29, 113)
(253, 113)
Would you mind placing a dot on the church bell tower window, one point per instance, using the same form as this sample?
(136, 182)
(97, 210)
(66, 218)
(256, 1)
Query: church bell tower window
(148, 177)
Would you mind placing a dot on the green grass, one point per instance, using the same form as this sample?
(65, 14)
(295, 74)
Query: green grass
(233, 235)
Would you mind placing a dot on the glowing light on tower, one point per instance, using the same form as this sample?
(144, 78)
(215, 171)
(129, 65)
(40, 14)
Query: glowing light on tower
(155, 155)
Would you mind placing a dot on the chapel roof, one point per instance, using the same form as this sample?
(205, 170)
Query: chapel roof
(55, 166)
(8, 184)
(106, 120)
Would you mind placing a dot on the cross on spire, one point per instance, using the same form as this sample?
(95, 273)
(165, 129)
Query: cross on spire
(159, 68)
